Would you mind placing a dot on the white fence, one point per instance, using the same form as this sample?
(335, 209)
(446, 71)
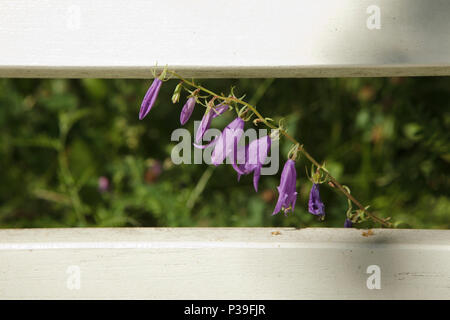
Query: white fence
(224, 38)
(224, 263)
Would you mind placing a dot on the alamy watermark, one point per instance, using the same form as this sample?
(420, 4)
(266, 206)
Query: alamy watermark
(232, 144)
(73, 281)
(73, 21)
(374, 280)
(373, 22)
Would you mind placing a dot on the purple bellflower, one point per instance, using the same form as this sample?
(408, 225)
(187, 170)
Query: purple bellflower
(286, 189)
(206, 120)
(227, 141)
(150, 98)
(255, 154)
(186, 112)
(315, 205)
(348, 223)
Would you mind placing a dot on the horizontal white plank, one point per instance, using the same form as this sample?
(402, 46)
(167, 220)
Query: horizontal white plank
(223, 263)
(223, 38)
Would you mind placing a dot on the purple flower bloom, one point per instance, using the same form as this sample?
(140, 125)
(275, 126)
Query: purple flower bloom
(286, 189)
(206, 120)
(150, 98)
(255, 154)
(348, 223)
(315, 205)
(227, 141)
(187, 110)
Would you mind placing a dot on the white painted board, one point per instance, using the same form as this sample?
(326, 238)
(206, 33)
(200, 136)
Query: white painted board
(223, 263)
(224, 38)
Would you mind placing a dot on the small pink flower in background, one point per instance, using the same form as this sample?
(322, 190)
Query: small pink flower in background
(103, 184)
(153, 172)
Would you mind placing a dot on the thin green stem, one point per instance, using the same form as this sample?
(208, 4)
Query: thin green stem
(71, 189)
(69, 181)
(290, 138)
(199, 187)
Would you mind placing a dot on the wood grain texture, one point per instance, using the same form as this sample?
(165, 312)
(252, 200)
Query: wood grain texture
(223, 38)
(223, 263)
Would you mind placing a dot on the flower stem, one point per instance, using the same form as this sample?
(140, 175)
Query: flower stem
(290, 138)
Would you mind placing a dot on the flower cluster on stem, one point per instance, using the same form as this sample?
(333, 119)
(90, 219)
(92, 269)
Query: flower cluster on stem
(254, 153)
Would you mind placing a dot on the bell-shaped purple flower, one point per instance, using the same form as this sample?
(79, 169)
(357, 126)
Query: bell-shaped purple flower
(187, 110)
(251, 158)
(348, 223)
(206, 120)
(228, 139)
(286, 189)
(150, 98)
(315, 205)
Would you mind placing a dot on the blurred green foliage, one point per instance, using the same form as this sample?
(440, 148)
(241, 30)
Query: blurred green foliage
(386, 138)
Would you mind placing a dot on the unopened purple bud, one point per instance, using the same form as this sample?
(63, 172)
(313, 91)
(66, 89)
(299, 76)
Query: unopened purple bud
(187, 110)
(150, 98)
(315, 205)
(348, 223)
(206, 120)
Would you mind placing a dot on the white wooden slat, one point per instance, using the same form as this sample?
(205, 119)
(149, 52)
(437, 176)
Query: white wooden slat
(223, 38)
(222, 263)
